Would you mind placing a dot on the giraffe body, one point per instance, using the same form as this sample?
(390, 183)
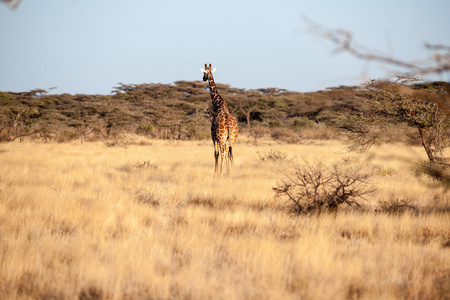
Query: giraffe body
(224, 129)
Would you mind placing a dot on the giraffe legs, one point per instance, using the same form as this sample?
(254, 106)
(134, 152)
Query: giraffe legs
(221, 149)
(216, 156)
(224, 134)
(224, 157)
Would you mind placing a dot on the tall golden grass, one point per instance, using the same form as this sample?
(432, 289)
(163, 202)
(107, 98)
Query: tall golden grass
(151, 221)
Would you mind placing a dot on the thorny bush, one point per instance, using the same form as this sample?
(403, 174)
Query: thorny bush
(316, 187)
(272, 155)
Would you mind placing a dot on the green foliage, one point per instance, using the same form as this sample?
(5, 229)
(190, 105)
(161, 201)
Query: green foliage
(182, 111)
(302, 122)
(145, 129)
(6, 98)
(389, 103)
(274, 124)
(386, 172)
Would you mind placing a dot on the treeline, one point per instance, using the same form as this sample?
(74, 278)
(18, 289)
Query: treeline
(181, 110)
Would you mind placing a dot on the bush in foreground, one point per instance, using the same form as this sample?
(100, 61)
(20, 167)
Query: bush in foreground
(312, 188)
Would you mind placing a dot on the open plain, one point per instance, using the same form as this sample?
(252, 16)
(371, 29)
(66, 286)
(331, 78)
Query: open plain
(149, 220)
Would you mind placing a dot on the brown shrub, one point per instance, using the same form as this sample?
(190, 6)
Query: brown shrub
(311, 188)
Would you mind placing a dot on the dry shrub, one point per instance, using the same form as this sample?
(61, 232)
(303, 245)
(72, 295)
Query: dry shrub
(285, 135)
(154, 194)
(439, 172)
(258, 132)
(272, 155)
(67, 135)
(311, 188)
(145, 165)
(91, 293)
(114, 143)
(395, 207)
(321, 132)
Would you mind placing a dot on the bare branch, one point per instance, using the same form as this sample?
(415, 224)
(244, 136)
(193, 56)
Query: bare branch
(316, 187)
(13, 4)
(436, 64)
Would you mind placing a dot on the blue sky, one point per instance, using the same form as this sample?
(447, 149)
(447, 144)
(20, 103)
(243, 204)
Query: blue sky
(82, 46)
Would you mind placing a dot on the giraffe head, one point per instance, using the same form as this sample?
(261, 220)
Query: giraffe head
(207, 71)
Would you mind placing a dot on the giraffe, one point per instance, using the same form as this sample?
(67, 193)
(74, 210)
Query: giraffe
(224, 129)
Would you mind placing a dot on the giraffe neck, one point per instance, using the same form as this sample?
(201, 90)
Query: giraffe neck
(214, 93)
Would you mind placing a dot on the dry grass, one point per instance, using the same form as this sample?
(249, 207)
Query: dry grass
(150, 221)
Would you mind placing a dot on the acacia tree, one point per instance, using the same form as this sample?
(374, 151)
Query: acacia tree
(400, 101)
(427, 110)
(247, 110)
(19, 123)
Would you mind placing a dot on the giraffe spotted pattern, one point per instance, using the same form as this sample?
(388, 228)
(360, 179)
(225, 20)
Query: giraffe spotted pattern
(224, 129)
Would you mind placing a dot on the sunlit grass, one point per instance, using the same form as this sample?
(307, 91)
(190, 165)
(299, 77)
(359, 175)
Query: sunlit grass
(91, 221)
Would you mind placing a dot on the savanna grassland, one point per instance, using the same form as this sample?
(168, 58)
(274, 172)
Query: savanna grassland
(150, 221)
